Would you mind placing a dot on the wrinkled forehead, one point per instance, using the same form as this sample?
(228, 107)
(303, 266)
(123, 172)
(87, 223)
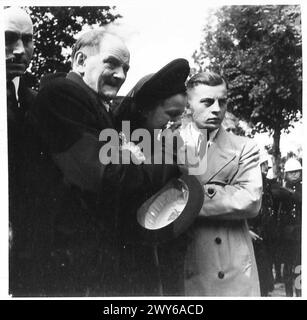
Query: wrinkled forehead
(112, 45)
(17, 20)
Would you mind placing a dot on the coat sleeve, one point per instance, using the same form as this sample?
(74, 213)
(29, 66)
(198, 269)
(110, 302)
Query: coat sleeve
(241, 198)
(68, 127)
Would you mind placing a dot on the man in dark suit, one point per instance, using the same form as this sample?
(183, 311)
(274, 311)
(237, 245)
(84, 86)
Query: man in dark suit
(75, 237)
(18, 54)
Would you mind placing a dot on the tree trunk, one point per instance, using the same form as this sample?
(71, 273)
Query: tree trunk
(276, 155)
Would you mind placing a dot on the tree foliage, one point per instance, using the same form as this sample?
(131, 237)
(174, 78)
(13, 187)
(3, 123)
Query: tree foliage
(55, 29)
(259, 51)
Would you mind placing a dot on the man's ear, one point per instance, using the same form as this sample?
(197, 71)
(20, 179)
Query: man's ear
(79, 64)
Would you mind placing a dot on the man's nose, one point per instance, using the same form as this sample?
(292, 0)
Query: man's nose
(215, 107)
(19, 48)
(120, 73)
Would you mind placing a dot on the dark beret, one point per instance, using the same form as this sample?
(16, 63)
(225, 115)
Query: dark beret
(168, 81)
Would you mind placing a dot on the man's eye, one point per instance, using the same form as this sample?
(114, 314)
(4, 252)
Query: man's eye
(111, 64)
(126, 69)
(208, 102)
(10, 38)
(26, 38)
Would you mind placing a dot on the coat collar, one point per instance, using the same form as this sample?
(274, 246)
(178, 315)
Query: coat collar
(26, 95)
(73, 76)
(220, 153)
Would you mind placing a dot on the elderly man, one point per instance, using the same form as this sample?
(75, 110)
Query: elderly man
(18, 53)
(76, 205)
(220, 259)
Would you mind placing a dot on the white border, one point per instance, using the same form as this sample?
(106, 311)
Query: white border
(3, 135)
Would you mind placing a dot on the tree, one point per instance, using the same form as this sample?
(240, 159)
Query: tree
(259, 50)
(55, 29)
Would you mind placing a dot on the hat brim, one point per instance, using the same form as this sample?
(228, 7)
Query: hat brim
(168, 81)
(155, 218)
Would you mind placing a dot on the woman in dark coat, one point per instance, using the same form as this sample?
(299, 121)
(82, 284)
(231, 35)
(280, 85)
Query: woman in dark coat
(155, 100)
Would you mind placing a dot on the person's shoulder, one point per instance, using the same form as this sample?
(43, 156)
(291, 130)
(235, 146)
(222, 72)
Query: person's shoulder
(52, 79)
(58, 87)
(63, 95)
(30, 93)
(26, 94)
(27, 84)
(240, 142)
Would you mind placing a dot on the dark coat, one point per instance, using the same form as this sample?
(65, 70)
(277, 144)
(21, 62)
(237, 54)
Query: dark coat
(75, 207)
(17, 154)
(16, 114)
(291, 224)
(146, 269)
(149, 270)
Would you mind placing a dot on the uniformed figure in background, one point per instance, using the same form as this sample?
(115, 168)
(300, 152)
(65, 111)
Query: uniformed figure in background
(262, 231)
(290, 221)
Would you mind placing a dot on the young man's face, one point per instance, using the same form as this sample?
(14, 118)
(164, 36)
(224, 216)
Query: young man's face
(106, 70)
(208, 104)
(18, 41)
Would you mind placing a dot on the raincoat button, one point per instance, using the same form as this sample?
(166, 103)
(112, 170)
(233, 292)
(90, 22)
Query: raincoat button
(218, 240)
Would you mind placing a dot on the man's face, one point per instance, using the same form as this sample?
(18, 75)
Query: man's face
(105, 71)
(169, 109)
(18, 41)
(208, 104)
(293, 176)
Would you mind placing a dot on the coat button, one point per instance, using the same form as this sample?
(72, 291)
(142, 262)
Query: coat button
(221, 275)
(218, 240)
(210, 191)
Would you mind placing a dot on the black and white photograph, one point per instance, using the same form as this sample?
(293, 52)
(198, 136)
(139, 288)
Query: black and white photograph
(152, 149)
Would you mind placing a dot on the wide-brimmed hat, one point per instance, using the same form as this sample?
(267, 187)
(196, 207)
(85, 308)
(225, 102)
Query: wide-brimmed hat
(168, 81)
(171, 211)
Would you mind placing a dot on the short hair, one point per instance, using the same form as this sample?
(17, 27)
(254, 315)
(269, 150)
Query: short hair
(208, 78)
(90, 39)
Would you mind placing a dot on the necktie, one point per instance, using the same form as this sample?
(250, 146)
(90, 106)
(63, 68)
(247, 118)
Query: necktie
(108, 108)
(12, 103)
(11, 93)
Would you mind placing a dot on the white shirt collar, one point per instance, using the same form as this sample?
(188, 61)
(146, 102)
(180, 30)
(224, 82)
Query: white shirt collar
(107, 106)
(212, 135)
(16, 82)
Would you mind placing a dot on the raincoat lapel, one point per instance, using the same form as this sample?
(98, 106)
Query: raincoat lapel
(219, 155)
